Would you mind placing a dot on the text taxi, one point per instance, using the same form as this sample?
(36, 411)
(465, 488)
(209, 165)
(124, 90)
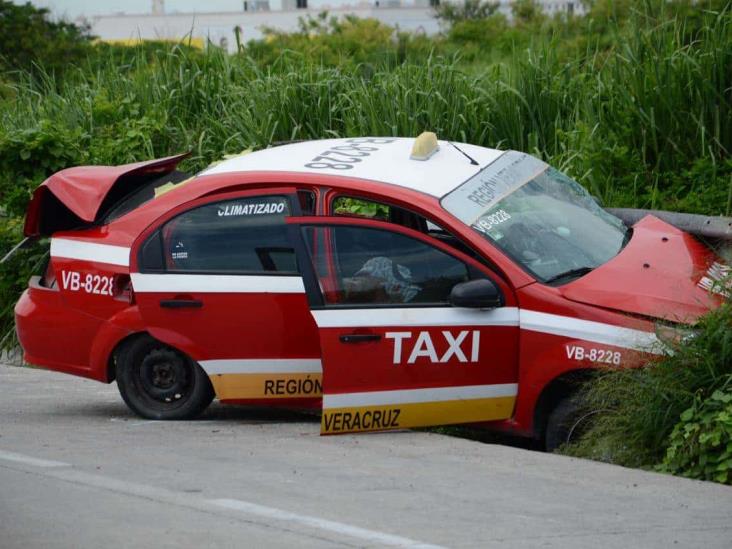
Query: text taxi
(396, 283)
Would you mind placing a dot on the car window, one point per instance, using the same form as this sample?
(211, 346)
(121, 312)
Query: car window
(307, 202)
(360, 207)
(245, 235)
(377, 266)
(547, 222)
(379, 211)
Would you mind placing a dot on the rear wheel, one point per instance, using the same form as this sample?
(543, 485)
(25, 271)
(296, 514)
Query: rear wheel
(158, 382)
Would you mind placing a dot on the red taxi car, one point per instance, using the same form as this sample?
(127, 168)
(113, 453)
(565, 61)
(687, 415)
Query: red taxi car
(394, 286)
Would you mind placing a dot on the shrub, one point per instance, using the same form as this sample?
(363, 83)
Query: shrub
(700, 446)
(29, 156)
(468, 10)
(14, 274)
(29, 37)
(485, 33)
(327, 40)
(641, 407)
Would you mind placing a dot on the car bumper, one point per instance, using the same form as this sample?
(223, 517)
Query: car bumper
(53, 335)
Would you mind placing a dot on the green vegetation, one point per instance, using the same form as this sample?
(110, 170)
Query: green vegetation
(29, 39)
(646, 123)
(673, 416)
(633, 100)
(700, 446)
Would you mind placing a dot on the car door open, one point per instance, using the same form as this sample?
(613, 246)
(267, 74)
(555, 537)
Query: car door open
(395, 352)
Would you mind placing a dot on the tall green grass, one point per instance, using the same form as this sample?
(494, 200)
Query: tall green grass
(646, 124)
(641, 407)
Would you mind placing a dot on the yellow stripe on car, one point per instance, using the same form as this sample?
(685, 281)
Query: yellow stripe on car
(273, 385)
(416, 414)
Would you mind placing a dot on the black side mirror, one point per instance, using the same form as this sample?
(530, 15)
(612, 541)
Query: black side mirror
(476, 294)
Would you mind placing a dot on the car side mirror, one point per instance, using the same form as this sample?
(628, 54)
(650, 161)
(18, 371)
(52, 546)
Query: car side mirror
(476, 294)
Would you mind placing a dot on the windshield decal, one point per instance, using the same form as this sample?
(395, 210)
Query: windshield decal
(477, 195)
(487, 222)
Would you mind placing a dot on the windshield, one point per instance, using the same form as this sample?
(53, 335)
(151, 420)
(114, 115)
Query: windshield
(540, 217)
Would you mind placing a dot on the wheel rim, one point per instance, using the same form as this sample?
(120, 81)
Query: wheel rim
(165, 377)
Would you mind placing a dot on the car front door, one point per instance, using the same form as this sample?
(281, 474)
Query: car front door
(395, 352)
(218, 279)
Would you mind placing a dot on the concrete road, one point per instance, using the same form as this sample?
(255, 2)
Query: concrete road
(78, 470)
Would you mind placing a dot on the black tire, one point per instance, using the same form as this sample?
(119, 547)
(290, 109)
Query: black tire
(159, 382)
(566, 423)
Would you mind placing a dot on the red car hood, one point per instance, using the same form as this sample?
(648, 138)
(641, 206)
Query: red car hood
(80, 191)
(657, 274)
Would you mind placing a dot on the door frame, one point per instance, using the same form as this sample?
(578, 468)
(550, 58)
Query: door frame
(310, 278)
(142, 237)
(433, 403)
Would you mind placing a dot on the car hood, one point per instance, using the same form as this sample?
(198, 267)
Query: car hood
(75, 195)
(661, 273)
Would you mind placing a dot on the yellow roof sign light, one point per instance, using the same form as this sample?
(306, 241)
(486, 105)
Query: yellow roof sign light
(424, 146)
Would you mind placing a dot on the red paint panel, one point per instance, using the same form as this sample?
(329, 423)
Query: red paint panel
(545, 357)
(91, 287)
(53, 335)
(655, 275)
(371, 366)
(234, 325)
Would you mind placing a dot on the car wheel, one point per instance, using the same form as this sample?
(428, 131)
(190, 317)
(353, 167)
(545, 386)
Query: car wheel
(158, 382)
(566, 423)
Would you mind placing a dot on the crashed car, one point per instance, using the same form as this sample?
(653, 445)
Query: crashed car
(395, 282)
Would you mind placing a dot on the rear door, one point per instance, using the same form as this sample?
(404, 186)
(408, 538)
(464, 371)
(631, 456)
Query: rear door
(395, 353)
(218, 279)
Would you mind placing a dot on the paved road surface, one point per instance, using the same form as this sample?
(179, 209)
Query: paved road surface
(78, 470)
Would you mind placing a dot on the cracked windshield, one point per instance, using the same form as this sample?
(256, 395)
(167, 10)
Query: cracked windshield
(538, 216)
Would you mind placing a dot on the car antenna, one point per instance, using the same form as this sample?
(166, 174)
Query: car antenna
(472, 160)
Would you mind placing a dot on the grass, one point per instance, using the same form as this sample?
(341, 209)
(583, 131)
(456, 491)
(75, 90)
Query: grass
(642, 406)
(648, 125)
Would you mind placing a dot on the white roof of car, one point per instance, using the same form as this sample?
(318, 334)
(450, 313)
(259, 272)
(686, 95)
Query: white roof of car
(389, 163)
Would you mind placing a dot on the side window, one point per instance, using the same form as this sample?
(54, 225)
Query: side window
(307, 202)
(246, 235)
(376, 266)
(362, 207)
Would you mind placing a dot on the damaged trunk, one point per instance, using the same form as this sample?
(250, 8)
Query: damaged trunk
(82, 196)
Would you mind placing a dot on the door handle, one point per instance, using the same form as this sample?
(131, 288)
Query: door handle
(181, 303)
(359, 338)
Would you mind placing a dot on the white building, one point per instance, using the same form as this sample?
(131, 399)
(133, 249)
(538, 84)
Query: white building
(408, 15)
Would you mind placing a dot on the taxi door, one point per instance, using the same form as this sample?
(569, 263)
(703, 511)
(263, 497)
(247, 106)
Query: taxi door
(397, 350)
(218, 279)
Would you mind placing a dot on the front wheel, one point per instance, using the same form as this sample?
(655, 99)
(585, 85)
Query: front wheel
(567, 422)
(158, 382)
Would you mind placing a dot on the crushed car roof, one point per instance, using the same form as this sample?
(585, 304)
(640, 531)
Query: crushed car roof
(382, 159)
